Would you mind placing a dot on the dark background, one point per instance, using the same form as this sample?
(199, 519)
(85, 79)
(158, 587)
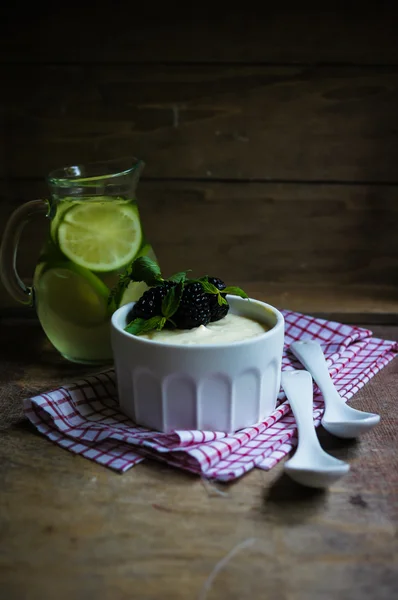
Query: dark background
(270, 135)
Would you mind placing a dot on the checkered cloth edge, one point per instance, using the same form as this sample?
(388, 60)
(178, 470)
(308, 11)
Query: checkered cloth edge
(84, 417)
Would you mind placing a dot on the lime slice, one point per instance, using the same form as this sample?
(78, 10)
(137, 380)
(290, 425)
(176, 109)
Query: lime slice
(74, 294)
(68, 202)
(62, 208)
(100, 236)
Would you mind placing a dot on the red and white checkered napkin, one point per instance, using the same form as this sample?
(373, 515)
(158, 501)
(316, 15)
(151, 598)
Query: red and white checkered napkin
(84, 417)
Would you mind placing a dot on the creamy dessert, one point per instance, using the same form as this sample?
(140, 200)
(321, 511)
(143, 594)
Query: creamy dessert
(194, 353)
(231, 328)
(180, 310)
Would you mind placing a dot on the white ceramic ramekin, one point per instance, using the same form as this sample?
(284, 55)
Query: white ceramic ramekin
(222, 387)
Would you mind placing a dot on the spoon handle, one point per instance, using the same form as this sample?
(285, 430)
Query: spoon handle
(298, 389)
(310, 354)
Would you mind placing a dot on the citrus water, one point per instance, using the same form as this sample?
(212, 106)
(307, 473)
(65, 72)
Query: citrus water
(91, 242)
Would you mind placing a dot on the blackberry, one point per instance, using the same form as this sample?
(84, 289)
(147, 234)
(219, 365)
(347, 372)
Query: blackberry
(150, 303)
(194, 308)
(217, 311)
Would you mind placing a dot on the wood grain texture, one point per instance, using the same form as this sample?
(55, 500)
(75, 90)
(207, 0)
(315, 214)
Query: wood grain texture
(270, 32)
(70, 528)
(221, 122)
(340, 240)
(280, 93)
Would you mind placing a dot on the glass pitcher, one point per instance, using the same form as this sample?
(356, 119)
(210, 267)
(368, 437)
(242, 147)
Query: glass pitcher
(94, 234)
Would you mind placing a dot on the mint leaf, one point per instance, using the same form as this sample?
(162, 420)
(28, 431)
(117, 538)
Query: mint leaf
(209, 288)
(138, 326)
(177, 277)
(142, 269)
(171, 301)
(236, 291)
(147, 270)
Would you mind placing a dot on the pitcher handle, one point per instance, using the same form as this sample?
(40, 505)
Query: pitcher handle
(9, 249)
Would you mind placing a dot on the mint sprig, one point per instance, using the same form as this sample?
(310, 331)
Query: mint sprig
(138, 326)
(235, 291)
(141, 269)
(177, 277)
(147, 270)
(170, 304)
(209, 288)
(172, 300)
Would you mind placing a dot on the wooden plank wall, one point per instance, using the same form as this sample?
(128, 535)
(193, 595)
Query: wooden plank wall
(270, 139)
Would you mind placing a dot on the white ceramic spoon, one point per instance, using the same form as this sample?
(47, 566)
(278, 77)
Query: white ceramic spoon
(310, 465)
(339, 419)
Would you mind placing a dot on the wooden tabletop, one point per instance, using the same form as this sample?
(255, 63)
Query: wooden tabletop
(71, 529)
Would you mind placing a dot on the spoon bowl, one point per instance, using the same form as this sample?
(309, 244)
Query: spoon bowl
(346, 422)
(339, 419)
(311, 465)
(317, 478)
